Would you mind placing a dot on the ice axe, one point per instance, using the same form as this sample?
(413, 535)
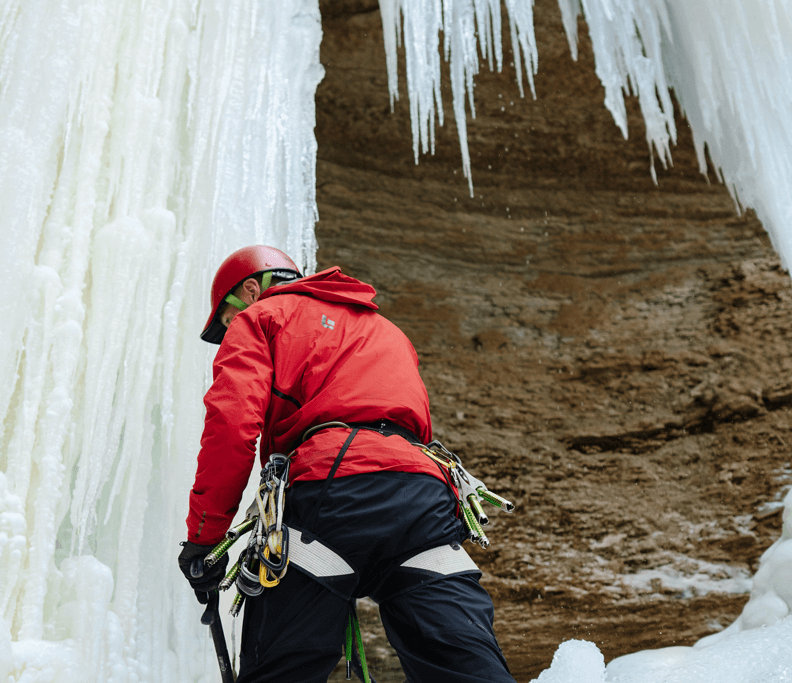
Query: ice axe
(211, 618)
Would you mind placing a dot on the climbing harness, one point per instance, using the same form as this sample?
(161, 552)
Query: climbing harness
(273, 546)
(470, 492)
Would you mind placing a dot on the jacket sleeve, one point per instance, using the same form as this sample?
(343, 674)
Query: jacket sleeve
(236, 404)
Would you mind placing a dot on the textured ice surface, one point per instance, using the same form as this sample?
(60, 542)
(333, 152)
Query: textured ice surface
(759, 655)
(729, 62)
(141, 143)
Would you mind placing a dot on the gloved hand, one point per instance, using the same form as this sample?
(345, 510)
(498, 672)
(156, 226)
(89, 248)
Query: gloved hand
(203, 579)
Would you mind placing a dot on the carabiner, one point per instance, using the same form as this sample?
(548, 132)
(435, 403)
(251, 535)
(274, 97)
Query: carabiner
(264, 552)
(248, 583)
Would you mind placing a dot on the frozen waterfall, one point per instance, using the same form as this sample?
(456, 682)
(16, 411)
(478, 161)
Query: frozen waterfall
(141, 143)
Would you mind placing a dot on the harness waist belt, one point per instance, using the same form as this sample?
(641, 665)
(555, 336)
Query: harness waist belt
(387, 428)
(384, 427)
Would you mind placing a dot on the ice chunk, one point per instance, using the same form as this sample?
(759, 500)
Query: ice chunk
(650, 664)
(755, 655)
(575, 661)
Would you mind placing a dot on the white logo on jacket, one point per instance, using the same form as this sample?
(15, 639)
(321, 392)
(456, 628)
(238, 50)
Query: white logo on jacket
(329, 324)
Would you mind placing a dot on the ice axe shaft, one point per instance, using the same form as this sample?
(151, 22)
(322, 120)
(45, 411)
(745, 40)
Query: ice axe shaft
(211, 618)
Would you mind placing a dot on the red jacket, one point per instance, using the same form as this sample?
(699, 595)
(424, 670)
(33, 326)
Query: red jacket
(307, 352)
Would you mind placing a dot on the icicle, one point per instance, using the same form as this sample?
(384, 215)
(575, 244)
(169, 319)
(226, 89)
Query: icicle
(465, 24)
(523, 40)
(728, 62)
(570, 10)
(628, 52)
(730, 66)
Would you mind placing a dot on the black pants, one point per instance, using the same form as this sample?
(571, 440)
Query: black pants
(442, 632)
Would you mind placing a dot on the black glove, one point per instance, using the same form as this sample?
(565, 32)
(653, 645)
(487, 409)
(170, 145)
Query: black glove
(202, 578)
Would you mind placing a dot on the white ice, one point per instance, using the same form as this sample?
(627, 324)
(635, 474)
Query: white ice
(575, 660)
(140, 143)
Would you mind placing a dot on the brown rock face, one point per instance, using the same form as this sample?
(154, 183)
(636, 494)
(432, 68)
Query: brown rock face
(610, 354)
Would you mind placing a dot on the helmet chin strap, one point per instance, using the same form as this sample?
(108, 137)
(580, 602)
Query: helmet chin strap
(236, 302)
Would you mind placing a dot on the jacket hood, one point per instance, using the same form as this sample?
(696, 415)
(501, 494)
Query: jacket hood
(328, 285)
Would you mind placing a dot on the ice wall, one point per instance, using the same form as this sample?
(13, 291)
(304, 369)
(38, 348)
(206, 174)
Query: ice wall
(140, 143)
(728, 62)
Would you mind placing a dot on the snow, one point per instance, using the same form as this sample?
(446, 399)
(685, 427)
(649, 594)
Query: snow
(689, 577)
(759, 655)
(144, 141)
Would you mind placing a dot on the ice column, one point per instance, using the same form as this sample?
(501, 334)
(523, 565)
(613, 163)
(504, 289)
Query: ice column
(141, 143)
(729, 63)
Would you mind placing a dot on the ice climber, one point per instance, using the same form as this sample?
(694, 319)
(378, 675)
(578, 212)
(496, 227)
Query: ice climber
(369, 513)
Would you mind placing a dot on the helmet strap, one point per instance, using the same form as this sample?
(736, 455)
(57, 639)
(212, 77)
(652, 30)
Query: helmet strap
(236, 302)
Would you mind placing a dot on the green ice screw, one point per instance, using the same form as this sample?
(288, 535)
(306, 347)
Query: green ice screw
(236, 605)
(475, 506)
(236, 531)
(495, 499)
(229, 578)
(218, 551)
(232, 536)
(477, 534)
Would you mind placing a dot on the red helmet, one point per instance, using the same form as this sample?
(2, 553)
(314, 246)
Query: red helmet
(242, 264)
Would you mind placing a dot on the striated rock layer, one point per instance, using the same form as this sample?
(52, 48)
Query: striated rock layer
(609, 353)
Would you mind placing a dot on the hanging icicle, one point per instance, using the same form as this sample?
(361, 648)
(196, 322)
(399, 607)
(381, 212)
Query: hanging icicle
(728, 62)
(468, 26)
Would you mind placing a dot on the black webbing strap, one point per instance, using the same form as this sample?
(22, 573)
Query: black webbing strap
(387, 428)
(315, 512)
(384, 427)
